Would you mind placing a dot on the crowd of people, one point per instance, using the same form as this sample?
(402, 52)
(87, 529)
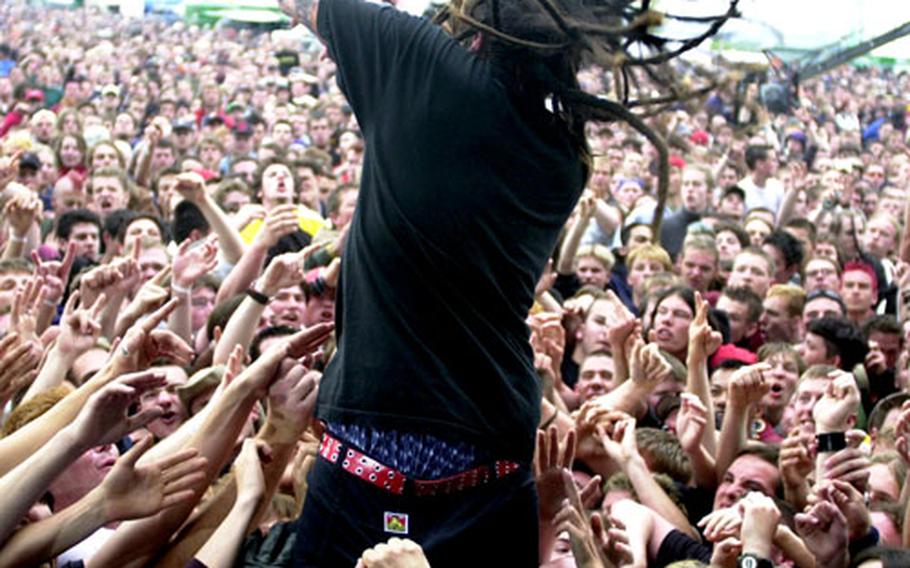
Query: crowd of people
(731, 390)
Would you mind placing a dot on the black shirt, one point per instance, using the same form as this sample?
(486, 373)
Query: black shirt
(463, 195)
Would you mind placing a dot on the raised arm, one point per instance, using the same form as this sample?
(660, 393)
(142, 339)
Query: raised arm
(703, 342)
(302, 11)
(576, 232)
(192, 187)
(746, 388)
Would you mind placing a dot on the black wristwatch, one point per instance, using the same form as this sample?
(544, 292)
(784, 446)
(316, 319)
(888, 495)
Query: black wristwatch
(749, 560)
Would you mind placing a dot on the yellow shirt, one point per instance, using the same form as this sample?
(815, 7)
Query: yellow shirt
(310, 222)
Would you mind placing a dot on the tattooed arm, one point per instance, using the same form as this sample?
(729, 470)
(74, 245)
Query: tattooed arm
(303, 12)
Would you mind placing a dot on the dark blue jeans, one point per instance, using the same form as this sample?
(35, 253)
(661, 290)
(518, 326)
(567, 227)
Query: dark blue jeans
(489, 525)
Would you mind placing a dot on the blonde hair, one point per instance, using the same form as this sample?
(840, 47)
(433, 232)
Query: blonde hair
(650, 252)
(794, 296)
(600, 252)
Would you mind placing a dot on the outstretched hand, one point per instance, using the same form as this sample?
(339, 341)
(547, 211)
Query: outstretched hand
(550, 461)
(131, 491)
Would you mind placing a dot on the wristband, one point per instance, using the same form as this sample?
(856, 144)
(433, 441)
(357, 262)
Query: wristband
(15, 239)
(831, 442)
(257, 296)
(180, 289)
(749, 560)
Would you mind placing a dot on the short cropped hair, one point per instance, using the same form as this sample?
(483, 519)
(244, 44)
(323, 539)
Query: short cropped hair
(794, 296)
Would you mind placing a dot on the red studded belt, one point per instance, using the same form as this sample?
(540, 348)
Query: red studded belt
(393, 481)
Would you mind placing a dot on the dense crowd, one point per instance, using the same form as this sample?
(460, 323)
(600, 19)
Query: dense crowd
(176, 202)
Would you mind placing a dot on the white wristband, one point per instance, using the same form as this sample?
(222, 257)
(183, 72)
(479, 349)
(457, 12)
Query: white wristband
(15, 239)
(180, 289)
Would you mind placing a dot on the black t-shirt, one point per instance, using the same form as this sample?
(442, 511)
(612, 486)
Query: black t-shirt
(462, 198)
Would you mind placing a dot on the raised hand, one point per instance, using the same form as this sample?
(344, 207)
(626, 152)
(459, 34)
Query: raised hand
(691, 422)
(835, 411)
(79, 328)
(571, 518)
(746, 387)
(96, 281)
(703, 341)
(55, 274)
(397, 553)
(850, 465)
(550, 461)
(824, 530)
(284, 270)
(26, 304)
(248, 469)
(106, 417)
(131, 491)
(9, 168)
(612, 540)
(647, 367)
(191, 263)
(796, 460)
(760, 519)
(18, 365)
(191, 186)
(143, 343)
(851, 504)
(292, 400)
(902, 431)
(263, 372)
(280, 221)
(22, 212)
(621, 446)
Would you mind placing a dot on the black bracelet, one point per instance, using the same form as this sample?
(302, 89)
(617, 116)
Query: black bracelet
(831, 442)
(549, 421)
(258, 297)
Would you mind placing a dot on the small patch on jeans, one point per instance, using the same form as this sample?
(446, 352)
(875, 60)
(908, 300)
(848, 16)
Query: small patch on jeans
(396, 523)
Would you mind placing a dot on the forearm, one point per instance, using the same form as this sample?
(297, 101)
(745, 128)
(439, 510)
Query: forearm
(144, 166)
(14, 248)
(548, 302)
(793, 547)
(732, 437)
(21, 444)
(787, 205)
(652, 495)
(704, 471)
(181, 319)
(220, 551)
(52, 372)
(697, 384)
(240, 330)
(229, 242)
(628, 397)
(607, 217)
(108, 319)
(244, 273)
(46, 313)
(570, 245)
(136, 543)
(42, 541)
(22, 486)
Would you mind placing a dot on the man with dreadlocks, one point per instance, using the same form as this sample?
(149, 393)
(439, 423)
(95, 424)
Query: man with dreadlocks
(432, 402)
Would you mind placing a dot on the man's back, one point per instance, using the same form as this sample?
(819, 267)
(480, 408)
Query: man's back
(464, 191)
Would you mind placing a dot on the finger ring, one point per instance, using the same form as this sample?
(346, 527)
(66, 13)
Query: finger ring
(124, 350)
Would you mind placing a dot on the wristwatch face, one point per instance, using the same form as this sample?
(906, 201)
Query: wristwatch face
(748, 562)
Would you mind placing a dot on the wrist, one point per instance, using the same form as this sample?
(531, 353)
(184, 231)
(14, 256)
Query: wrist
(181, 287)
(16, 238)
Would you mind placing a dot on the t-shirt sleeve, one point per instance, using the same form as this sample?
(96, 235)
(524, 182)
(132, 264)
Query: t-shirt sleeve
(375, 47)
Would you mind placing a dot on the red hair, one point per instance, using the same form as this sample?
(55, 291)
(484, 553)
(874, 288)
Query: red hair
(863, 267)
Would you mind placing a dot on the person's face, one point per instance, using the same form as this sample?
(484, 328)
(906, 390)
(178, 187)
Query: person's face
(781, 378)
(747, 473)
(595, 377)
(639, 236)
(70, 154)
(309, 188)
(875, 175)
(732, 205)
(827, 250)
(283, 134)
(781, 274)
(600, 177)
(152, 261)
(277, 186)
(210, 156)
(124, 127)
(319, 309)
(174, 413)
(671, 324)
(627, 194)
(820, 307)
(808, 392)
(890, 344)
(87, 364)
(846, 236)
(814, 352)
(246, 169)
(162, 158)
(728, 178)
(234, 200)
(287, 307)
(142, 230)
(719, 380)
(87, 239)
(202, 303)
(757, 231)
(641, 270)
(856, 290)
(9, 283)
(320, 132)
(591, 272)
(346, 209)
(243, 144)
(883, 487)
(775, 321)
(738, 316)
(592, 334)
(892, 206)
(728, 245)
(751, 271)
(108, 194)
(694, 190)
(83, 475)
(184, 138)
(44, 127)
(65, 197)
(879, 238)
(699, 268)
